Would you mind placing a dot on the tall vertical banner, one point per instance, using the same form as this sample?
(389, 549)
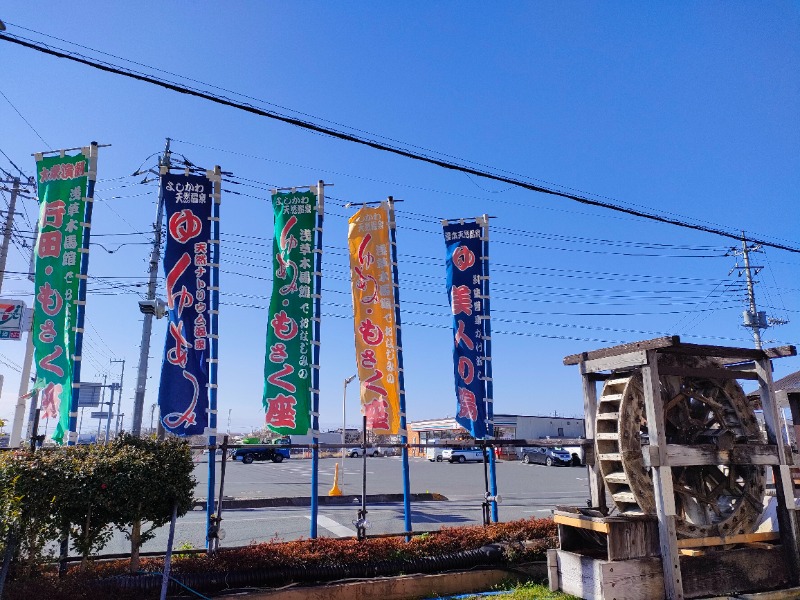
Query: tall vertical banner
(62, 186)
(183, 391)
(288, 360)
(464, 284)
(374, 312)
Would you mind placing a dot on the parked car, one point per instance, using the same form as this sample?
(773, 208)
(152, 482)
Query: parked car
(377, 451)
(248, 454)
(543, 455)
(434, 453)
(462, 455)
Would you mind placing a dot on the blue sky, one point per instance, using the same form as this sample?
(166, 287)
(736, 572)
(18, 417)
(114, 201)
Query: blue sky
(685, 110)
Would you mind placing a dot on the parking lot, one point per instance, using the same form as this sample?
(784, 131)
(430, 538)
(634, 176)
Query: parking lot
(526, 490)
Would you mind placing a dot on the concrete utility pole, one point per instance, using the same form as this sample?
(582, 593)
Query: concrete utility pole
(754, 319)
(121, 379)
(12, 204)
(147, 323)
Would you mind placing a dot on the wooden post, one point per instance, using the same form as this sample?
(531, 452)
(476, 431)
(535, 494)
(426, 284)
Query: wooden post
(784, 489)
(597, 487)
(662, 479)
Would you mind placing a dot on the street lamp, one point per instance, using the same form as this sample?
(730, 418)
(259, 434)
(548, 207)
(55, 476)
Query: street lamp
(344, 419)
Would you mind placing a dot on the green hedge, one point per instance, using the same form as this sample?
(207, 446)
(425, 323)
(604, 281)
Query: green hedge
(86, 491)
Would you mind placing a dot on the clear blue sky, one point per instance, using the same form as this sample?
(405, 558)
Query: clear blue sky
(689, 110)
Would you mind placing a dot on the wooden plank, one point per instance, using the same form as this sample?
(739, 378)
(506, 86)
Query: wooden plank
(632, 579)
(708, 373)
(762, 536)
(786, 514)
(742, 354)
(633, 539)
(707, 454)
(662, 480)
(662, 342)
(691, 552)
(581, 522)
(579, 575)
(618, 361)
(552, 569)
(597, 489)
(741, 570)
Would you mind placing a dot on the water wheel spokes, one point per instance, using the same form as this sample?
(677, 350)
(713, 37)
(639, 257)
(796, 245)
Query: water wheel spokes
(698, 411)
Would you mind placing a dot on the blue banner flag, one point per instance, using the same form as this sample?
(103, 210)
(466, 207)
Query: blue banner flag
(183, 393)
(464, 285)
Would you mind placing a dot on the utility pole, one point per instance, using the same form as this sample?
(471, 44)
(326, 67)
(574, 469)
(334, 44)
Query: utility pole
(113, 387)
(147, 323)
(121, 378)
(102, 406)
(12, 204)
(754, 319)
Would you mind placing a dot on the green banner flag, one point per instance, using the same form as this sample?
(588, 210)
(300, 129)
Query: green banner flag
(62, 193)
(288, 360)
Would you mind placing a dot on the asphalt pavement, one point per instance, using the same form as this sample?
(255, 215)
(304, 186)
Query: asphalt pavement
(526, 490)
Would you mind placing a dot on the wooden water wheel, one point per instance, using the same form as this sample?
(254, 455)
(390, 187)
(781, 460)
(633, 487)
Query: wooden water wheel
(710, 500)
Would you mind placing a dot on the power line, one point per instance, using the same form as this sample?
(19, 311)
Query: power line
(311, 126)
(28, 123)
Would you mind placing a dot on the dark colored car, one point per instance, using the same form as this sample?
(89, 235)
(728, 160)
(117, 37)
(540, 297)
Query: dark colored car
(248, 454)
(542, 455)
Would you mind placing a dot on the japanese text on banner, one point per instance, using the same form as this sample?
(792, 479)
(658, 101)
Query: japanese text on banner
(183, 391)
(464, 291)
(374, 310)
(288, 360)
(62, 191)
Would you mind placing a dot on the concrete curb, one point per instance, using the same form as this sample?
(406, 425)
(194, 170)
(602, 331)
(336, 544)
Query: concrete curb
(403, 587)
(240, 503)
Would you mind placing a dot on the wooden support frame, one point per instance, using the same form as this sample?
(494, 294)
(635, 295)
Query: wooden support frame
(784, 488)
(685, 568)
(597, 488)
(662, 480)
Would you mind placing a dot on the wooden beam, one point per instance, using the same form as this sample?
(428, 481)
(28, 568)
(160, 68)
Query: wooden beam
(786, 512)
(597, 487)
(662, 342)
(677, 455)
(743, 354)
(581, 522)
(745, 538)
(720, 373)
(662, 480)
(619, 361)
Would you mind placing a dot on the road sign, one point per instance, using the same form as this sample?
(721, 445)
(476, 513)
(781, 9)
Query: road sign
(90, 395)
(12, 319)
(100, 415)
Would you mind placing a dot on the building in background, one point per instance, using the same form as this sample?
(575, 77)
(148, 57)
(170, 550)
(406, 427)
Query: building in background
(508, 427)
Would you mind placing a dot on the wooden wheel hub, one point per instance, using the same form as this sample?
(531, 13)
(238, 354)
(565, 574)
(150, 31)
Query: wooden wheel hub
(710, 500)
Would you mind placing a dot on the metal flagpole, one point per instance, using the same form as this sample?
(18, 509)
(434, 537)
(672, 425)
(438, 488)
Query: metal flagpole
(213, 348)
(400, 378)
(72, 434)
(487, 369)
(317, 295)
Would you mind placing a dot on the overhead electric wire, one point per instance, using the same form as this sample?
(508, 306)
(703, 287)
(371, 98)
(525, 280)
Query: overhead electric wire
(310, 126)
(21, 116)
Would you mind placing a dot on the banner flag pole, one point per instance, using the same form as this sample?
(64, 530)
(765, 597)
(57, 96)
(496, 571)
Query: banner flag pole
(72, 433)
(487, 349)
(213, 354)
(400, 374)
(315, 348)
